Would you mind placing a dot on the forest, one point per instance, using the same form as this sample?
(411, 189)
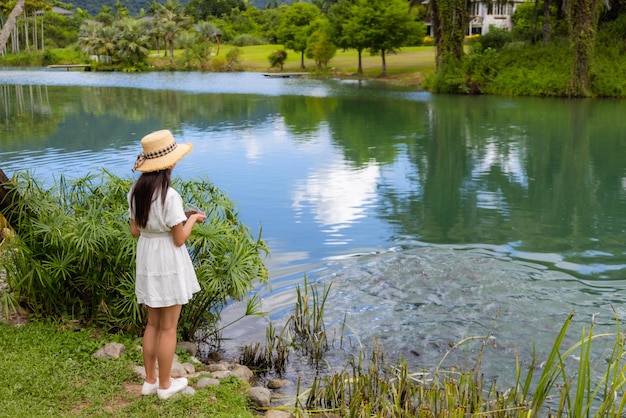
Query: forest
(553, 48)
(135, 7)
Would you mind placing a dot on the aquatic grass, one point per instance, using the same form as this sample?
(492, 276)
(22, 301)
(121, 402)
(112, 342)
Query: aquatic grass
(307, 320)
(369, 386)
(304, 331)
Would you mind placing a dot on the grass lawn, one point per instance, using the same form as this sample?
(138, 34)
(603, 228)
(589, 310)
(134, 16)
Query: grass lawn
(409, 66)
(48, 370)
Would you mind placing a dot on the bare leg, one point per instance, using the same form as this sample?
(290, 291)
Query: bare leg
(167, 343)
(151, 344)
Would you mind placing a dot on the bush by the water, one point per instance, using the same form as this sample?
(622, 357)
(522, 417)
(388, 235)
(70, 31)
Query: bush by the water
(74, 257)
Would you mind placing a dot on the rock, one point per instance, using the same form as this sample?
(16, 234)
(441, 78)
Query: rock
(110, 350)
(188, 347)
(215, 357)
(243, 373)
(260, 396)
(140, 372)
(222, 374)
(178, 370)
(205, 382)
(189, 368)
(189, 391)
(217, 367)
(278, 383)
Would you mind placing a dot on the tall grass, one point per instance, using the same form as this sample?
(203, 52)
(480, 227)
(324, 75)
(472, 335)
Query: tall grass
(74, 258)
(370, 386)
(376, 388)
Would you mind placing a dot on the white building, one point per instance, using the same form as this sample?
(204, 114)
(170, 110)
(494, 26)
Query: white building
(483, 14)
(491, 13)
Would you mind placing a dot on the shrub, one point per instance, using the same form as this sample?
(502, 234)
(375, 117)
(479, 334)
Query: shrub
(496, 38)
(219, 64)
(248, 40)
(278, 58)
(73, 256)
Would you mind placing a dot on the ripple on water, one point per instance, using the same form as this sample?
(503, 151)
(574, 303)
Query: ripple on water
(419, 303)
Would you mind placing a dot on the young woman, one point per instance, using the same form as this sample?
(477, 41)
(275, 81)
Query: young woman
(165, 277)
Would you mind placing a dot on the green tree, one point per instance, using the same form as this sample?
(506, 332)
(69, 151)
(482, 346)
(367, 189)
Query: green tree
(9, 24)
(319, 46)
(132, 44)
(296, 27)
(121, 10)
(173, 20)
(210, 34)
(583, 21)
(186, 40)
(277, 58)
(203, 9)
(383, 26)
(345, 31)
(60, 31)
(449, 23)
(105, 16)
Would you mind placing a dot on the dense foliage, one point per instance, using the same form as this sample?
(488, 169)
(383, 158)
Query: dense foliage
(73, 256)
(583, 39)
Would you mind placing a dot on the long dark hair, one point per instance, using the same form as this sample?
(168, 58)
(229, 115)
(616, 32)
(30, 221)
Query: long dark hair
(145, 191)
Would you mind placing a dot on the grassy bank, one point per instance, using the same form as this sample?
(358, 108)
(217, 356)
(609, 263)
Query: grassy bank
(47, 369)
(409, 66)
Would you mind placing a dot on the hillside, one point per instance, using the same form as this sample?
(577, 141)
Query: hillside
(134, 6)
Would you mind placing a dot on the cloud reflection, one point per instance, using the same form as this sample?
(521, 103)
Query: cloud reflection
(338, 195)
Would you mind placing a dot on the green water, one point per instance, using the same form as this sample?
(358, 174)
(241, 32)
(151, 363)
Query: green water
(434, 217)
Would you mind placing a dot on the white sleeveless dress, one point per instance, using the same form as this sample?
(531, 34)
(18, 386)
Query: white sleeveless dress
(165, 275)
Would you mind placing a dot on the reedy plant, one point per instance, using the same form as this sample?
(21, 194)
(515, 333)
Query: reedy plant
(74, 257)
(373, 388)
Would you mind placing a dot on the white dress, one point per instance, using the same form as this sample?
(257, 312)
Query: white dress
(165, 275)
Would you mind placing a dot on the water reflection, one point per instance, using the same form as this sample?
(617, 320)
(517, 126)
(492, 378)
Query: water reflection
(337, 195)
(459, 207)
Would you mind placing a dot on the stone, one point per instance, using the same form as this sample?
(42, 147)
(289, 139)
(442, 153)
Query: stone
(243, 373)
(188, 347)
(260, 396)
(222, 374)
(205, 382)
(189, 391)
(217, 367)
(189, 368)
(110, 350)
(278, 383)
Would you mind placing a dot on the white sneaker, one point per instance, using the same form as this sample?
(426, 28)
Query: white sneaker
(176, 385)
(149, 388)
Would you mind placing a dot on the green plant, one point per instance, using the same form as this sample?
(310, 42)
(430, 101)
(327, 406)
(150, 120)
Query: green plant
(277, 58)
(73, 255)
(247, 40)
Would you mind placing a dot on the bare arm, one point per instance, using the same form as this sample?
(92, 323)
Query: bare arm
(133, 229)
(182, 231)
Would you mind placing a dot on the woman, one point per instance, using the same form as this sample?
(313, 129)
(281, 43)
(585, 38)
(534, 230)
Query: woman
(165, 277)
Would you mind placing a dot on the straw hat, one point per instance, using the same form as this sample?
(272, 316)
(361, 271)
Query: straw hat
(160, 151)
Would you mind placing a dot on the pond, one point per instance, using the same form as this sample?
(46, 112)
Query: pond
(433, 218)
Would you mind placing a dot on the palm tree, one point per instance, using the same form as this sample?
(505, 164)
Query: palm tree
(105, 16)
(88, 38)
(132, 44)
(106, 41)
(173, 20)
(209, 32)
(10, 24)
